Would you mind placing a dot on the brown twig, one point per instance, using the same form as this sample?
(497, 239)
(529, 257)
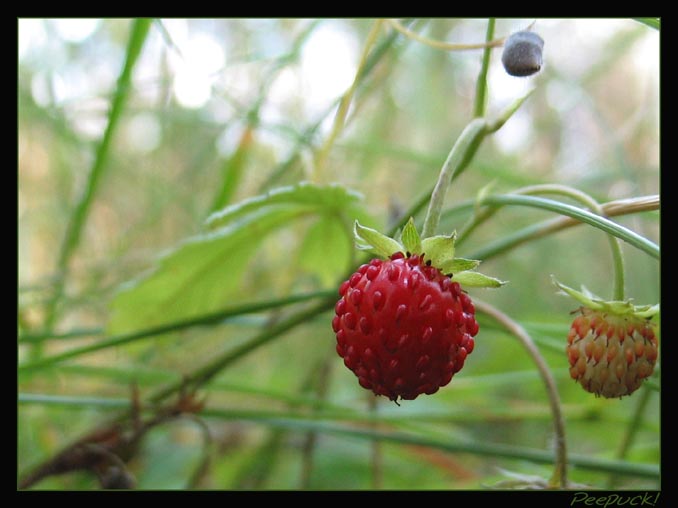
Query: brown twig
(106, 450)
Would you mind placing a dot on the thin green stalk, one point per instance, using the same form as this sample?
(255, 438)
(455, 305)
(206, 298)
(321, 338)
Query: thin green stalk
(211, 369)
(318, 423)
(484, 448)
(71, 334)
(342, 112)
(481, 82)
(594, 206)
(559, 478)
(632, 429)
(592, 219)
(211, 318)
(458, 159)
(321, 388)
(467, 143)
(309, 133)
(74, 401)
(138, 34)
(377, 455)
(256, 472)
(550, 226)
(446, 46)
(233, 168)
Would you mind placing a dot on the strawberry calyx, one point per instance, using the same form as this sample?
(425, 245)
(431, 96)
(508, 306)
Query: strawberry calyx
(616, 307)
(438, 250)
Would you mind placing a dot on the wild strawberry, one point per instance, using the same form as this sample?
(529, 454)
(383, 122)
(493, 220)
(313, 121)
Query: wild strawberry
(612, 346)
(402, 326)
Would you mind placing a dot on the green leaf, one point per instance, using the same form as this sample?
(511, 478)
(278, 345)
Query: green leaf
(201, 275)
(326, 250)
(476, 280)
(439, 249)
(410, 238)
(204, 273)
(375, 242)
(330, 198)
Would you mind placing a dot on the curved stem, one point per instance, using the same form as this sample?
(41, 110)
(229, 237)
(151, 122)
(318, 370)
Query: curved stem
(447, 46)
(632, 429)
(342, 112)
(377, 455)
(209, 370)
(559, 478)
(551, 226)
(580, 214)
(459, 157)
(455, 162)
(594, 206)
(481, 83)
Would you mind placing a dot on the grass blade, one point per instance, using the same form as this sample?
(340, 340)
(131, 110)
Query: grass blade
(138, 34)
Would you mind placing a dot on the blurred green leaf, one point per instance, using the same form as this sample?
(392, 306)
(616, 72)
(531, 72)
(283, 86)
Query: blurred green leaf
(304, 196)
(204, 273)
(326, 249)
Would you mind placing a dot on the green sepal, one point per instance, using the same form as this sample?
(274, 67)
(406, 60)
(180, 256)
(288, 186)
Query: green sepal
(410, 238)
(476, 280)
(439, 249)
(375, 242)
(457, 265)
(617, 307)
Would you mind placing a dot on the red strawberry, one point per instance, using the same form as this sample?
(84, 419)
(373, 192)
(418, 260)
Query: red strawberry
(610, 354)
(403, 327)
(612, 345)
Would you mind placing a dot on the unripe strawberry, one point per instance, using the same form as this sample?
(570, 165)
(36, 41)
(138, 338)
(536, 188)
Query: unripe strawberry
(612, 346)
(402, 326)
(609, 354)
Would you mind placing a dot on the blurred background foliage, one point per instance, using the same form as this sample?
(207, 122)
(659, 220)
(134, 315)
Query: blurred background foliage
(219, 111)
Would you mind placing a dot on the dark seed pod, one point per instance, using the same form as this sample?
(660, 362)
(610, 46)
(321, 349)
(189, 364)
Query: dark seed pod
(522, 54)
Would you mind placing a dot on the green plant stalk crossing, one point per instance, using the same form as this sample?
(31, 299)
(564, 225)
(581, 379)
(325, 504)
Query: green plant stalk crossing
(559, 478)
(207, 319)
(549, 226)
(458, 159)
(360, 429)
(594, 206)
(592, 219)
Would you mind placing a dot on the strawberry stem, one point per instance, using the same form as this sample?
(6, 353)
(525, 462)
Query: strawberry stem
(458, 159)
(595, 207)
